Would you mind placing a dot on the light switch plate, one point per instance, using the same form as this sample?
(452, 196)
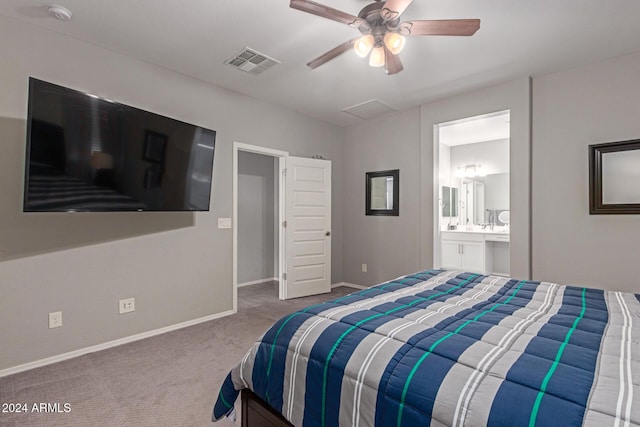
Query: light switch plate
(224, 222)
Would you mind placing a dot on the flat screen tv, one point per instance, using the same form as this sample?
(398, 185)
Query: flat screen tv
(86, 153)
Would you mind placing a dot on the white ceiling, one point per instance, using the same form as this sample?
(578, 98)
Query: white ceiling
(517, 38)
(488, 127)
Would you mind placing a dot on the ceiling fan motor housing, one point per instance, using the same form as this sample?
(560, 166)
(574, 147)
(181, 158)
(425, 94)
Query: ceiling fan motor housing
(377, 27)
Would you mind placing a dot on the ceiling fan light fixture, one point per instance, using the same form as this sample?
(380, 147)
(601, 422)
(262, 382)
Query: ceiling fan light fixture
(363, 45)
(394, 42)
(376, 59)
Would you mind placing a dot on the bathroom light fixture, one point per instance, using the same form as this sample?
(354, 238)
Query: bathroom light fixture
(470, 171)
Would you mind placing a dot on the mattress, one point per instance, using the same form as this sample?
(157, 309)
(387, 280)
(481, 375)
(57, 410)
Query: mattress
(449, 348)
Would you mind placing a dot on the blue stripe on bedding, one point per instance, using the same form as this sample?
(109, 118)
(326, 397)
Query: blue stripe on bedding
(336, 344)
(560, 387)
(228, 394)
(268, 376)
(413, 384)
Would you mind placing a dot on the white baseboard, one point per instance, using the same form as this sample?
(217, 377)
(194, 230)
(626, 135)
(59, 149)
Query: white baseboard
(109, 344)
(257, 282)
(348, 285)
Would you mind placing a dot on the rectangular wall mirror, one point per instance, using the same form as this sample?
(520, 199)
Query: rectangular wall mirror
(614, 177)
(383, 193)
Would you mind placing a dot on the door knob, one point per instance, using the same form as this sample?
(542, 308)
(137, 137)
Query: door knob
(328, 233)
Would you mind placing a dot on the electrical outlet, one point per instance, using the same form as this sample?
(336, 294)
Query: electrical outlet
(126, 305)
(364, 268)
(55, 319)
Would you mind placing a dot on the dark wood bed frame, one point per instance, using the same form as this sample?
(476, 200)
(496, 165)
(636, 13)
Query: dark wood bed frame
(256, 413)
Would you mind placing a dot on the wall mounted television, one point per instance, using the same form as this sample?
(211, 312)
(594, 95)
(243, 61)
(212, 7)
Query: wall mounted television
(86, 153)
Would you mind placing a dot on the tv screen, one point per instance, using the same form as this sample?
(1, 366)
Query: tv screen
(86, 153)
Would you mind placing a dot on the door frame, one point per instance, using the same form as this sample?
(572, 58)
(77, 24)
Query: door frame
(437, 240)
(281, 156)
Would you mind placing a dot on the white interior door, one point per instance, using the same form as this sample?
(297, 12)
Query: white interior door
(308, 227)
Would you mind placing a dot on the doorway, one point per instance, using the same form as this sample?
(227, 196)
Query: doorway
(472, 177)
(303, 264)
(258, 202)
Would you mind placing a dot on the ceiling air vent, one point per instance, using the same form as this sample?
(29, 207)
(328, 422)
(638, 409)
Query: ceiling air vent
(369, 109)
(251, 61)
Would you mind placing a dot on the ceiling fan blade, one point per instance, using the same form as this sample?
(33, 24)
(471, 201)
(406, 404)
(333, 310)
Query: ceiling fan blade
(392, 63)
(328, 12)
(445, 27)
(393, 8)
(336, 51)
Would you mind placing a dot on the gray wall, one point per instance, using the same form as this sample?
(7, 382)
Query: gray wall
(389, 245)
(572, 109)
(178, 267)
(256, 219)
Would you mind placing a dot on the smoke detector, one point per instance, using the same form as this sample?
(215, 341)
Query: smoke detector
(60, 13)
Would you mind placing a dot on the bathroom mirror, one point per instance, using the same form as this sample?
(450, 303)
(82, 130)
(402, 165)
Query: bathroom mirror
(481, 199)
(383, 193)
(614, 174)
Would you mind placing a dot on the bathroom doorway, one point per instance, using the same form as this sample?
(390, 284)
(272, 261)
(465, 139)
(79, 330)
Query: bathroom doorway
(472, 176)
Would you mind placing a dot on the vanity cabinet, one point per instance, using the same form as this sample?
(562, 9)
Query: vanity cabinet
(463, 251)
(475, 252)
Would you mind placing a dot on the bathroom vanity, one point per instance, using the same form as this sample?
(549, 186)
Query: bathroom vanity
(476, 250)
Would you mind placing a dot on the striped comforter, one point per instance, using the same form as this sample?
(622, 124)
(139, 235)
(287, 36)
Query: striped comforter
(446, 348)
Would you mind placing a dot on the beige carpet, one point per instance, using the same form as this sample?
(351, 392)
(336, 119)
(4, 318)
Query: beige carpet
(168, 380)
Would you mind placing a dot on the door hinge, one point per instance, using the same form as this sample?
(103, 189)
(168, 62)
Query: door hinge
(284, 276)
(284, 224)
(284, 171)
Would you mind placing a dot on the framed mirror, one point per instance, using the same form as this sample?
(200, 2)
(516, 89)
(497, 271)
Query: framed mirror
(383, 193)
(614, 178)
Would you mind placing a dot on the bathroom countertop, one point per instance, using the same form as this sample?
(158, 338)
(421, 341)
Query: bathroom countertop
(496, 230)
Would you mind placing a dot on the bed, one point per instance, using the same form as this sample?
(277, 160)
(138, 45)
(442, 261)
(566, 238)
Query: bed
(447, 348)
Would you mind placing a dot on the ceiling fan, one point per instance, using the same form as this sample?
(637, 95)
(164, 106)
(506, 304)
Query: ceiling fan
(383, 34)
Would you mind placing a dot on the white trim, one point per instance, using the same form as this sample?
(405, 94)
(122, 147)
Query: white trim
(348, 285)
(257, 282)
(259, 150)
(282, 249)
(110, 344)
(239, 146)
